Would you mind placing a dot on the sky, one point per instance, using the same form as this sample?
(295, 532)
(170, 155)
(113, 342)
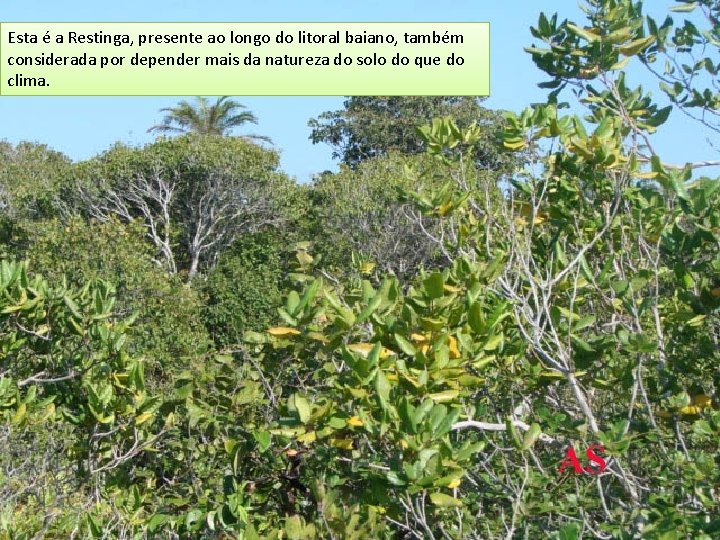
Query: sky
(84, 126)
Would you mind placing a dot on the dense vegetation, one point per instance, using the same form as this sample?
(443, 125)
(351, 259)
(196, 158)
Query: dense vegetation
(194, 346)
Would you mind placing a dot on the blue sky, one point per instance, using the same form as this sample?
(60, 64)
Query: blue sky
(83, 126)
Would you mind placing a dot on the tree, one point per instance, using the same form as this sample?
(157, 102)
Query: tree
(366, 210)
(370, 126)
(168, 323)
(31, 176)
(194, 194)
(243, 290)
(219, 118)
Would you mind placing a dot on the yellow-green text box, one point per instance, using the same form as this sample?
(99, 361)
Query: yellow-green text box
(270, 59)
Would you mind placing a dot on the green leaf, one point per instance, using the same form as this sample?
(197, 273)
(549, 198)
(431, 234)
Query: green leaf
(636, 46)
(585, 34)
(422, 410)
(72, 306)
(531, 436)
(382, 386)
(309, 295)
(686, 8)
(371, 307)
(569, 531)
(263, 439)
(302, 406)
(475, 319)
(620, 64)
(447, 422)
(493, 342)
(444, 501)
(405, 346)
(434, 285)
(584, 322)
(293, 301)
(513, 433)
(660, 117)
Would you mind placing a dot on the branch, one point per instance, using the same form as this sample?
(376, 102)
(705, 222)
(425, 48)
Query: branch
(487, 426)
(692, 164)
(38, 378)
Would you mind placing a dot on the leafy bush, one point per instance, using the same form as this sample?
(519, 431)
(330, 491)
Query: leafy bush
(169, 329)
(243, 290)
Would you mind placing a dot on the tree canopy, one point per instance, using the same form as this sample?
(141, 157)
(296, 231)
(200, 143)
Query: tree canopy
(372, 126)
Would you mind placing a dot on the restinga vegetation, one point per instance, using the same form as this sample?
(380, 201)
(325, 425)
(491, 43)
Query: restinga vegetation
(484, 325)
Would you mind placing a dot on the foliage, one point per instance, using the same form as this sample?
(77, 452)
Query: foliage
(219, 118)
(30, 177)
(372, 126)
(569, 302)
(363, 210)
(168, 328)
(71, 392)
(194, 194)
(243, 290)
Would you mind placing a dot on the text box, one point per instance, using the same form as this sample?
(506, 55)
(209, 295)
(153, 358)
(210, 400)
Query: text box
(269, 59)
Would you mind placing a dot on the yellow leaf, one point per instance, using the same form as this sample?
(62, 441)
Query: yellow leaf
(379, 509)
(42, 330)
(444, 209)
(282, 331)
(367, 267)
(308, 437)
(144, 417)
(361, 348)
(514, 144)
(419, 338)
(403, 444)
(453, 346)
(392, 377)
(445, 395)
(451, 288)
(691, 409)
(304, 257)
(354, 421)
(19, 414)
(357, 392)
(343, 444)
(50, 411)
(364, 349)
(454, 484)
(317, 336)
(703, 401)
(440, 499)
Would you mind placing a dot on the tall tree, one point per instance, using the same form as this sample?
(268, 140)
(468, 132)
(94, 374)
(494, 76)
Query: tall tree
(206, 118)
(194, 194)
(371, 126)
